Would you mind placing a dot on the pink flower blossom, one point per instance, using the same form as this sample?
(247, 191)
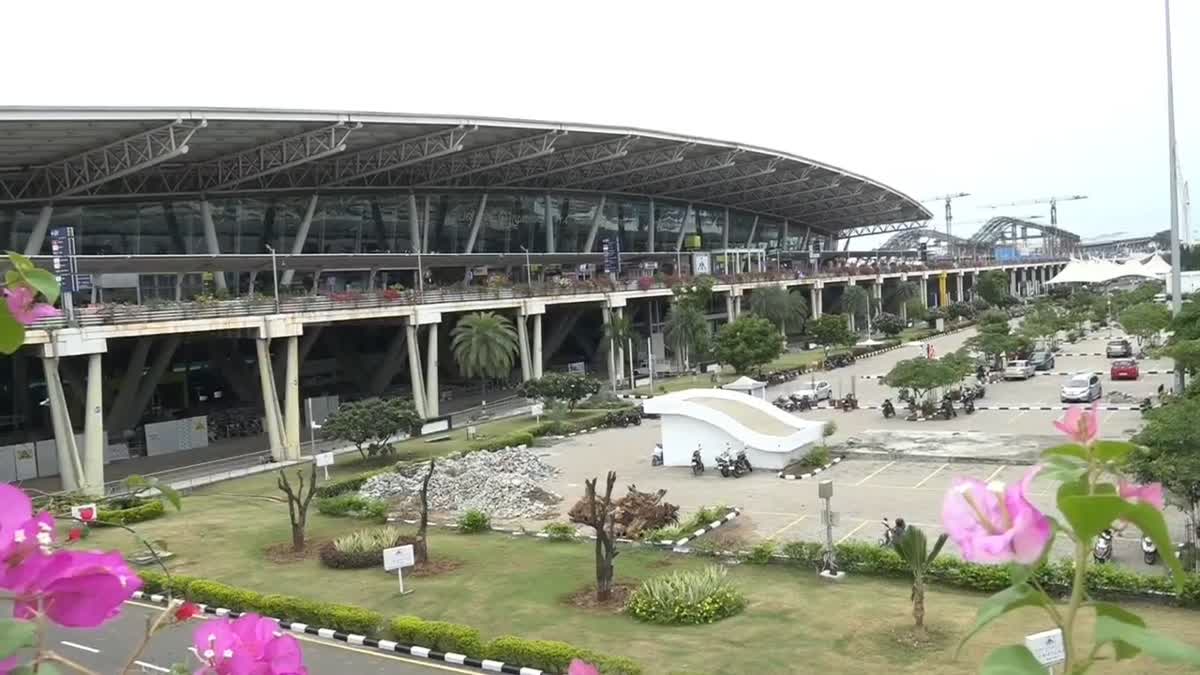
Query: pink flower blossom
(8, 665)
(992, 523)
(1080, 425)
(76, 589)
(580, 668)
(1151, 493)
(251, 645)
(24, 309)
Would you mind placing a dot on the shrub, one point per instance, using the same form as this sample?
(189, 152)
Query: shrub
(669, 533)
(354, 506)
(760, 554)
(370, 539)
(437, 635)
(507, 440)
(474, 521)
(335, 559)
(815, 459)
(351, 484)
(134, 514)
(686, 597)
(803, 551)
(559, 532)
(552, 656)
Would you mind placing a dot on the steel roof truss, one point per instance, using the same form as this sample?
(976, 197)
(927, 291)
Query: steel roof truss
(276, 156)
(486, 159)
(640, 161)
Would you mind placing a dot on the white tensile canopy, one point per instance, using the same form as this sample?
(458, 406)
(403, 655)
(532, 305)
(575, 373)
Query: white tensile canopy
(1097, 271)
(749, 386)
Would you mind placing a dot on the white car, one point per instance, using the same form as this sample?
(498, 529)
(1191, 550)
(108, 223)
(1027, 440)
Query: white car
(815, 391)
(1084, 387)
(1019, 370)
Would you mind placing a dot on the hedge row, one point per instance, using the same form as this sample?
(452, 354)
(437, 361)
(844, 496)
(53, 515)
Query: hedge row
(550, 656)
(512, 439)
(1108, 580)
(345, 560)
(351, 484)
(574, 426)
(135, 514)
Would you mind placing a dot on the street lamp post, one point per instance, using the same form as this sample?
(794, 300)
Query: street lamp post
(274, 276)
(1176, 255)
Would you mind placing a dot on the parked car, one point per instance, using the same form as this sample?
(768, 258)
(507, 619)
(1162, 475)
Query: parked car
(1124, 369)
(814, 391)
(1082, 387)
(1019, 370)
(1118, 349)
(1042, 360)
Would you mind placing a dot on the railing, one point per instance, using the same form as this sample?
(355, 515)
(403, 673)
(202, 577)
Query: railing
(257, 305)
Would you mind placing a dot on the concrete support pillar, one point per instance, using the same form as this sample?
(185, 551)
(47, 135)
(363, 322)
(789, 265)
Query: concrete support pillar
(730, 311)
(271, 414)
(392, 359)
(70, 469)
(523, 346)
(414, 223)
(300, 238)
(538, 359)
(925, 292)
(431, 371)
(620, 311)
(958, 287)
(37, 237)
(590, 243)
(653, 226)
(1012, 282)
(93, 429)
(291, 399)
(211, 243)
(612, 366)
(414, 369)
(476, 223)
(814, 301)
(127, 389)
(548, 223)
(904, 311)
(725, 232)
(737, 306)
(683, 228)
(148, 385)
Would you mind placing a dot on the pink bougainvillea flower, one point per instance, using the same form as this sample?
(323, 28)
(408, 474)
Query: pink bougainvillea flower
(77, 589)
(24, 538)
(251, 645)
(8, 665)
(284, 657)
(218, 647)
(580, 668)
(186, 611)
(1080, 425)
(24, 309)
(992, 523)
(1151, 493)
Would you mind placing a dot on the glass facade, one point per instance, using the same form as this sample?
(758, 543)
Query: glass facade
(379, 222)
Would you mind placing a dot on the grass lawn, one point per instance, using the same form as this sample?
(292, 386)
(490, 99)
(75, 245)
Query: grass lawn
(517, 585)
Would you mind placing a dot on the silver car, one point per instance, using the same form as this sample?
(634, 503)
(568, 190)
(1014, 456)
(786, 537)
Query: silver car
(1083, 388)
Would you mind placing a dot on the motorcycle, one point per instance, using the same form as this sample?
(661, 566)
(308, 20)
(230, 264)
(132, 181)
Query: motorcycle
(947, 410)
(743, 462)
(1103, 550)
(805, 403)
(697, 463)
(656, 458)
(968, 402)
(890, 534)
(728, 467)
(849, 403)
(785, 403)
(1149, 551)
(889, 410)
(1146, 405)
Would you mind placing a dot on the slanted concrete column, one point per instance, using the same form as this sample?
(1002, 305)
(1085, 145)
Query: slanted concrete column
(93, 429)
(612, 366)
(291, 399)
(414, 367)
(476, 223)
(537, 347)
(958, 288)
(210, 239)
(653, 226)
(300, 238)
(127, 390)
(620, 349)
(431, 371)
(148, 384)
(814, 304)
(548, 223)
(730, 311)
(37, 237)
(70, 469)
(523, 346)
(392, 359)
(414, 223)
(271, 414)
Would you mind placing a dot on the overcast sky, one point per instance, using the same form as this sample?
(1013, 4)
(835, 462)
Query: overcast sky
(1008, 100)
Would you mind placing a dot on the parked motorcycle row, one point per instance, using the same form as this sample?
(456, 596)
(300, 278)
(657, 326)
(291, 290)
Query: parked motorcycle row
(729, 465)
(838, 361)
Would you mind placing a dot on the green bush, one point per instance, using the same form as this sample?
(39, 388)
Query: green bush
(669, 533)
(686, 597)
(369, 539)
(559, 531)
(350, 504)
(474, 521)
(135, 514)
(438, 635)
(804, 551)
(704, 516)
(507, 440)
(760, 554)
(351, 484)
(553, 657)
(815, 459)
(322, 614)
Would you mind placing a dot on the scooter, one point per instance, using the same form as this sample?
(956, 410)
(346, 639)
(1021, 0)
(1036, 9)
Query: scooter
(1149, 551)
(728, 467)
(1102, 551)
(697, 463)
(968, 402)
(948, 410)
(889, 410)
(849, 403)
(805, 403)
(742, 461)
(889, 534)
(1145, 405)
(656, 458)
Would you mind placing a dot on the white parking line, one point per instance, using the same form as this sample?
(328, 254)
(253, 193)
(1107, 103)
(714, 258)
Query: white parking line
(995, 473)
(931, 475)
(875, 473)
(151, 666)
(85, 648)
(851, 533)
(788, 526)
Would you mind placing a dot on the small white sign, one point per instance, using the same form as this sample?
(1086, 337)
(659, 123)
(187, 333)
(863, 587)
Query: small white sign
(398, 557)
(1047, 647)
(324, 459)
(85, 512)
(537, 409)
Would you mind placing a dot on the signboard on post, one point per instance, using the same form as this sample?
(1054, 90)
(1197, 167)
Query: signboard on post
(612, 255)
(1047, 647)
(537, 410)
(324, 460)
(66, 268)
(397, 558)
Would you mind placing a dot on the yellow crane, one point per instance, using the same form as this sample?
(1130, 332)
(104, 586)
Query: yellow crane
(1052, 201)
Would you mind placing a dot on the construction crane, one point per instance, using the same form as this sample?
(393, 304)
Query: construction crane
(947, 198)
(1052, 201)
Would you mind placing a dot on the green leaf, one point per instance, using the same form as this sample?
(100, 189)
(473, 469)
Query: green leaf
(1112, 451)
(43, 282)
(12, 277)
(16, 635)
(1012, 660)
(1062, 469)
(1013, 597)
(1152, 524)
(1091, 514)
(1124, 649)
(136, 481)
(19, 262)
(12, 332)
(172, 495)
(1167, 650)
(1069, 450)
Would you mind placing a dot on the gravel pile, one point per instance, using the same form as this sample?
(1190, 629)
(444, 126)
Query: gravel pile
(502, 484)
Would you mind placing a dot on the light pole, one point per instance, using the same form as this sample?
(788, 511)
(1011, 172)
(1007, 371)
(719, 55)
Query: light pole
(274, 276)
(1176, 254)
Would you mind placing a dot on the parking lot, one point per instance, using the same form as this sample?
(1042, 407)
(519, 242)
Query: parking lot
(999, 444)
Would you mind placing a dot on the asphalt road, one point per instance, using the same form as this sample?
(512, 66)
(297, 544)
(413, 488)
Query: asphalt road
(107, 649)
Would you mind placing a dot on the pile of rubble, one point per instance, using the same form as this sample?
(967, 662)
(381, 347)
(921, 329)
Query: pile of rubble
(503, 484)
(633, 515)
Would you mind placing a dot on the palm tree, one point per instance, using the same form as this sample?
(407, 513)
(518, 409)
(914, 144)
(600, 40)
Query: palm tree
(618, 331)
(686, 331)
(775, 304)
(484, 345)
(913, 549)
(855, 302)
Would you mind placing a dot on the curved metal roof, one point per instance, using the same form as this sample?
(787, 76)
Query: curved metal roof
(912, 239)
(105, 154)
(999, 228)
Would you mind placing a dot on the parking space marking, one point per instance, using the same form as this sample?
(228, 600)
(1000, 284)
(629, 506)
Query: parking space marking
(875, 473)
(851, 533)
(932, 474)
(788, 526)
(995, 473)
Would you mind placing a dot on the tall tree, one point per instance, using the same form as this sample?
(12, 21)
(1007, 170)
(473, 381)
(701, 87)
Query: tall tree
(748, 343)
(617, 333)
(298, 501)
(484, 345)
(903, 293)
(831, 330)
(855, 303)
(686, 331)
(787, 310)
(914, 550)
(994, 287)
(1171, 455)
(598, 513)
(1145, 320)
(922, 376)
